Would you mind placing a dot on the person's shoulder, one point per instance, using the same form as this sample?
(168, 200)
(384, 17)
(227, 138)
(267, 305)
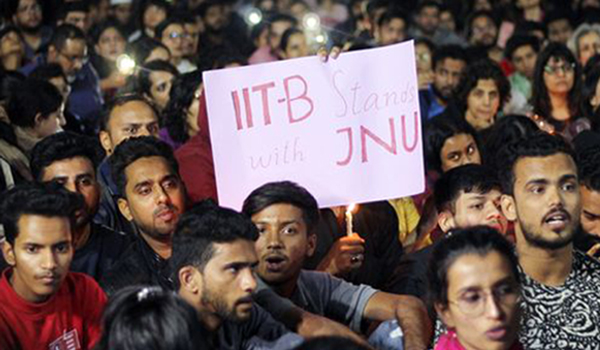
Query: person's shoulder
(81, 286)
(586, 264)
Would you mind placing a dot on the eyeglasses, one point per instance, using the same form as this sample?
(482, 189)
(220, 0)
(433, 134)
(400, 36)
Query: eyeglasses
(72, 59)
(553, 70)
(473, 303)
(175, 35)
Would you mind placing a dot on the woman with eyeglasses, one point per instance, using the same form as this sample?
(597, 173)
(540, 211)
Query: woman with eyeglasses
(475, 290)
(556, 92)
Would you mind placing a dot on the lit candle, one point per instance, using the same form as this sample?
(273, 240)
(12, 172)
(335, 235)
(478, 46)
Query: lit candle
(349, 229)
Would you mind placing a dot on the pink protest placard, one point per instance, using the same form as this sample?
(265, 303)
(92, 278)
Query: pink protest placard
(348, 130)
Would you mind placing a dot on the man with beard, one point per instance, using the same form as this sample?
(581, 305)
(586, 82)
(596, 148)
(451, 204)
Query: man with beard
(560, 291)
(27, 15)
(68, 48)
(152, 197)
(71, 160)
(214, 260)
(449, 63)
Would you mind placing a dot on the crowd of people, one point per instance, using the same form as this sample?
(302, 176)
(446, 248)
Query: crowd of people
(112, 236)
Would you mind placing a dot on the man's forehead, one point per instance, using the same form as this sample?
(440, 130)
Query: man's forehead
(544, 167)
(78, 165)
(133, 112)
(149, 168)
(239, 251)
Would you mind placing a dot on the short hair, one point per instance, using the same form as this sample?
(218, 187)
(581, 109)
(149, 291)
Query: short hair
(391, 14)
(30, 98)
(143, 47)
(427, 3)
(557, 15)
(527, 27)
(72, 6)
(286, 192)
(162, 26)
(588, 165)
(136, 148)
(540, 98)
(437, 131)
(146, 4)
(480, 240)
(541, 144)
(121, 100)
(61, 146)
(454, 52)
(139, 317)
(477, 14)
(282, 17)
(48, 71)
(581, 31)
(181, 96)
(65, 32)
(36, 199)
(517, 41)
(100, 28)
(202, 226)
(143, 79)
(508, 129)
(468, 178)
(482, 69)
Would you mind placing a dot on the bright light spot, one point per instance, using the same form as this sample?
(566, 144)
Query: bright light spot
(311, 21)
(125, 64)
(320, 39)
(254, 16)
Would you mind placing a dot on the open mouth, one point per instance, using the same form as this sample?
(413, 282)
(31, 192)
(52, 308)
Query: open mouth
(275, 263)
(557, 220)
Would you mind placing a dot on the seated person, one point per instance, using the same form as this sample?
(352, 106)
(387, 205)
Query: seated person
(44, 306)
(475, 290)
(71, 160)
(465, 196)
(153, 198)
(214, 260)
(141, 318)
(286, 216)
(125, 116)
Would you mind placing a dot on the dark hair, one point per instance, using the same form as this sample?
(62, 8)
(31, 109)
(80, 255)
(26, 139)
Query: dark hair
(72, 6)
(119, 101)
(557, 15)
(540, 98)
(508, 129)
(35, 199)
(588, 88)
(477, 14)
(391, 14)
(284, 192)
(143, 79)
(200, 227)
(285, 37)
(181, 97)
(330, 343)
(13, 5)
(143, 47)
(65, 32)
(48, 71)
(427, 3)
(60, 146)
(31, 97)
(282, 17)
(146, 4)
(517, 41)
(136, 148)
(540, 144)
(160, 28)
(480, 240)
(466, 178)
(138, 317)
(527, 27)
(588, 164)
(100, 28)
(454, 52)
(8, 83)
(482, 69)
(437, 131)
(10, 29)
